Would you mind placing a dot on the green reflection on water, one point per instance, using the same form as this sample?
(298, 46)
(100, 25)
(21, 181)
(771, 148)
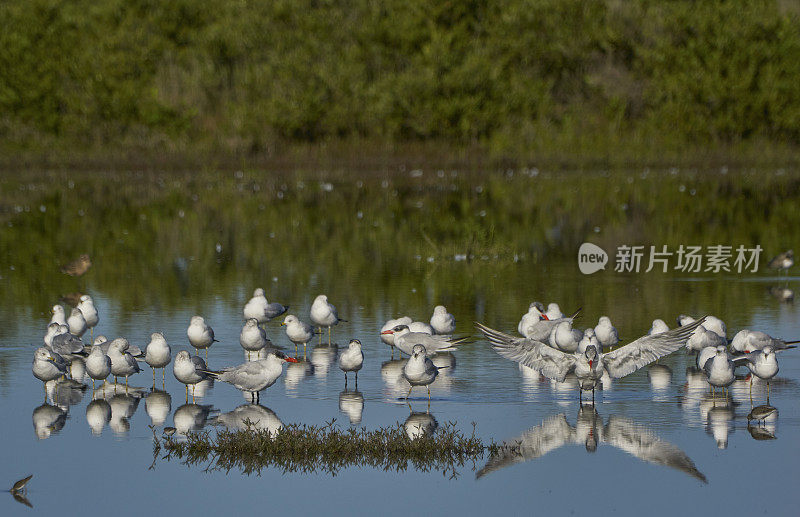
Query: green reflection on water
(384, 241)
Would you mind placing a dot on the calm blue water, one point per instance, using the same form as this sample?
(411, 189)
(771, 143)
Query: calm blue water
(80, 470)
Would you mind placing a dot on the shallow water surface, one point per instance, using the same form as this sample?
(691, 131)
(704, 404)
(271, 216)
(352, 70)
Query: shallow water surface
(655, 441)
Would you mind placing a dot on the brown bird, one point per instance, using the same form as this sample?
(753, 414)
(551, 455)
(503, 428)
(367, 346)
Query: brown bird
(78, 267)
(19, 491)
(72, 298)
(783, 261)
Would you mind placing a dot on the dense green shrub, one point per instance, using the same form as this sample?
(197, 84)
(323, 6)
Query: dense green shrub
(236, 76)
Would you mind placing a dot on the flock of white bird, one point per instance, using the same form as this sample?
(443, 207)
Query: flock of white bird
(553, 347)
(549, 344)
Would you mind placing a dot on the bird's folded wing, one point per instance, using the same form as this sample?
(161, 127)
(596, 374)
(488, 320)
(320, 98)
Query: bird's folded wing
(647, 349)
(550, 362)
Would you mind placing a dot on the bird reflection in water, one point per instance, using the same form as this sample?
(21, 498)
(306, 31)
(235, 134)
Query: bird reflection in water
(322, 357)
(98, 414)
(420, 425)
(252, 416)
(65, 392)
(123, 407)
(191, 417)
(351, 403)
(782, 294)
(158, 404)
(47, 420)
(589, 431)
(718, 413)
(295, 373)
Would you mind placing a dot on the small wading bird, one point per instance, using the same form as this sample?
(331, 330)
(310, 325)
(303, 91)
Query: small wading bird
(351, 360)
(157, 354)
(590, 365)
(420, 370)
(98, 365)
(298, 332)
(762, 363)
(89, 312)
(77, 267)
(442, 321)
(189, 369)
(324, 314)
(47, 367)
(200, 334)
(783, 261)
(252, 337)
(20, 490)
(761, 413)
(261, 310)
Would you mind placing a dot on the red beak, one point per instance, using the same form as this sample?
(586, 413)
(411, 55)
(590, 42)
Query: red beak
(387, 332)
(291, 360)
(591, 363)
(544, 317)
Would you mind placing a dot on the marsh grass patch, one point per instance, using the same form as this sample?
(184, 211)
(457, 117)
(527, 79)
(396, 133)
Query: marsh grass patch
(324, 449)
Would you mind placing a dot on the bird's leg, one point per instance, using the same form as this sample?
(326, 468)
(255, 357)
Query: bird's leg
(329, 336)
(192, 393)
(295, 348)
(206, 354)
(392, 358)
(187, 393)
(258, 397)
(320, 334)
(163, 375)
(767, 392)
(429, 394)
(92, 333)
(356, 381)
(154, 376)
(409, 391)
(345, 380)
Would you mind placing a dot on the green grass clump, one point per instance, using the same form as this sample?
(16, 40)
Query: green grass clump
(326, 449)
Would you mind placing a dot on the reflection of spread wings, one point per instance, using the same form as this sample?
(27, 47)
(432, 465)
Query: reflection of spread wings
(646, 349)
(533, 443)
(644, 444)
(552, 363)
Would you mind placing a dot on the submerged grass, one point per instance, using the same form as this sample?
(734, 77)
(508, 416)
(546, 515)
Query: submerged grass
(326, 449)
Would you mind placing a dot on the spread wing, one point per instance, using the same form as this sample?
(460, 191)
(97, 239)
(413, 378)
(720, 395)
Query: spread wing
(533, 443)
(647, 349)
(550, 362)
(641, 442)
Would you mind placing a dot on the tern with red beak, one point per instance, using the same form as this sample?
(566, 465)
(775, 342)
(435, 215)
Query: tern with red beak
(404, 340)
(253, 376)
(590, 365)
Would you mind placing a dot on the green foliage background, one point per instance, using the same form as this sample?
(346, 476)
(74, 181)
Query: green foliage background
(512, 77)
